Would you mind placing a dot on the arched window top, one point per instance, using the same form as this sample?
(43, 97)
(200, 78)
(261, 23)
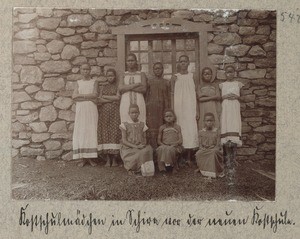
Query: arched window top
(162, 25)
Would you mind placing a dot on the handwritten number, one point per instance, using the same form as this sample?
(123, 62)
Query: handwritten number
(291, 16)
(282, 15)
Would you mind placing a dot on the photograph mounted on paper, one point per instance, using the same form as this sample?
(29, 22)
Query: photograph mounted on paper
(143, 104)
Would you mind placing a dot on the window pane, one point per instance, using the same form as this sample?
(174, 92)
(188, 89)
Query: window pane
(191, 55)
(167, 57)
(143, 45)
(157, 57)
(167, 45)
(178, 54)
(192, 67)
(167, 68)
(144, 57)
(179, 44)
(157, 46)
(190, 44)
(144, 68)
(134, 46)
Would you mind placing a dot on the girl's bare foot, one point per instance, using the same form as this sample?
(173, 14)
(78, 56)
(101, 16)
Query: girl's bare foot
(92, 163)
(114, 162)
(82, 163)
(107, 163)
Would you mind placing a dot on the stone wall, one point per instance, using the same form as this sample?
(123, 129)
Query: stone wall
(49, 45)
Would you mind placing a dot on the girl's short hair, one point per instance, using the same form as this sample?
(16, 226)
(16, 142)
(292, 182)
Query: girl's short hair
(172, 111)
(135, 57)
(133, 106)
(206, 68)
(111, 70)
(229, 66)
(209, 114)
(186, 56)
(158, 63)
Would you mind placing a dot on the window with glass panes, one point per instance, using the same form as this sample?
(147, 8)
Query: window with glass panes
(165, 49)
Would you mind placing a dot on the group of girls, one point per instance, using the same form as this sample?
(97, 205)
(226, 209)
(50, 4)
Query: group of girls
(141, 117)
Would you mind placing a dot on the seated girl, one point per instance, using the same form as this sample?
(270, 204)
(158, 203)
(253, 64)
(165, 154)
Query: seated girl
(209, 158)
(169, 141)
(135, 153)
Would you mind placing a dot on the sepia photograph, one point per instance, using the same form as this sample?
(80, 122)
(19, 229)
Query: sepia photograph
(147, 105)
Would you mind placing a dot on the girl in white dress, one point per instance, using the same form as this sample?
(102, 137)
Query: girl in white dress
(132, 87)
(86, 118)
(231, 125)
(184, 85)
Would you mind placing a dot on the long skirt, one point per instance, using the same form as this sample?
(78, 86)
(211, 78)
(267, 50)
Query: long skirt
(166, 156)
(85, 130)
(210, 162)
(134, 158)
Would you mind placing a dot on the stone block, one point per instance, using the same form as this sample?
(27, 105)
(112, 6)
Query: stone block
(31, 105)
(23, 112)
(227, 38)
(253, 74)
(260, 92)
(184, 14)
(92, 52)
(38, 127)
(67, 115)
(63, 103)
(89, 36)
(265, 128)
(257, 51)
(246, 151)
(18, 97)
(31, 74)
(26, 18)
(55, 46)
(71, 85)
(269, 46)
(73, 39)
(39, 137)
(248, 22)
(48, 113)
(68, 156)
(48, 23)
(237, 50)
(265, 62)
(204, 17)
(246, 30)
(67, 135)
(42, 56)
(79, 60)
(214, 48)
(52, 145)
(258, 14)
(14, 152)
(93, 44)
(58, 127)
(65, 31)
(26, 151)
(56, 66)
(113, 20)
(255, 39)
(97, 13)
(132, 19)
(27, 34)
(17, 127)
(266, 102)
(18, 143)
(44, 96)
(49, 35)
(99, 27)
(225, 20)
(53, 84)
(76, 20)
(74, 77)
(263, 30)
(103, 61)
(60, 13)
(219, 59)
(110, 52)
(23, 47)
(53, 154)
(69, 52)
(67, 146)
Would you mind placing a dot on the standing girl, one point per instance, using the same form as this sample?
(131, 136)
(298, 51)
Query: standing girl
(184, 86)
(157, 100)
(208, 97)
(135, 153)
(86, 118)
(231, 124)
(169, 141)
(132, 87)
(108, 125)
